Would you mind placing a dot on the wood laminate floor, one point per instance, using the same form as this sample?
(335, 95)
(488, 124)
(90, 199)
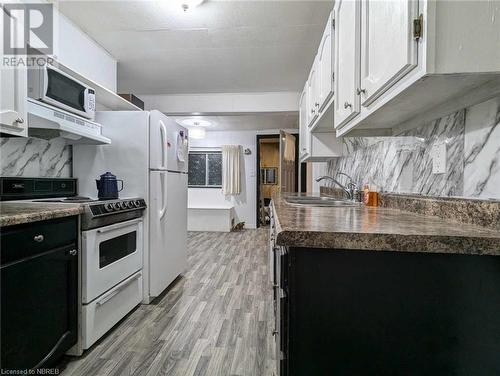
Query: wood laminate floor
(215, 320)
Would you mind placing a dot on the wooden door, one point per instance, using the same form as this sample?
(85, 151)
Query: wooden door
(347, 70)
(288, 159)
(388, 49)
(325, 59)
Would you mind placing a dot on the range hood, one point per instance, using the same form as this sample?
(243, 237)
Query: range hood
(47, 122)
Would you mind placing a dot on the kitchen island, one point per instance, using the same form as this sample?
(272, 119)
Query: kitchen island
(365, 290)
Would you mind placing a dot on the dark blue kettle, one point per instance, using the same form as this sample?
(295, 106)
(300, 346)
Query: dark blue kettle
(107, 186)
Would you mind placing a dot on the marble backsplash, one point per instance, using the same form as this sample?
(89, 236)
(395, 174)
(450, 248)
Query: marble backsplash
(33, 157)
(403, 163)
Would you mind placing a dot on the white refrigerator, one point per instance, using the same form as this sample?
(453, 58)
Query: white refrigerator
(149, 152)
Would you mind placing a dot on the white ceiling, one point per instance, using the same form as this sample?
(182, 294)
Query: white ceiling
(282, 120)
(220, 46)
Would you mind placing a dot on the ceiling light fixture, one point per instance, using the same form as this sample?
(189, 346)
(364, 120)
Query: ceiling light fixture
(195, 122)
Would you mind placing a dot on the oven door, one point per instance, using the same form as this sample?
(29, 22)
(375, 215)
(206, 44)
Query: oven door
(65, 92)
(110, 255)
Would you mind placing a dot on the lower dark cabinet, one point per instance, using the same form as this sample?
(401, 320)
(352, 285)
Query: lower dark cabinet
(38, 293)
(387, 313)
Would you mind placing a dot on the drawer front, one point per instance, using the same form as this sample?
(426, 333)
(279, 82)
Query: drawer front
(103, 313)
(30, 239)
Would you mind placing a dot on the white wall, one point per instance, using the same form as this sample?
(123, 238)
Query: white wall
(245, 204)
(223, 102)
(318, 169)
(403, 163)
(79, 52)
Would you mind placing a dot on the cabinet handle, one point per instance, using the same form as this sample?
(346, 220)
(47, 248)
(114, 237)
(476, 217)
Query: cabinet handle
(312, 110)
(119, 226)
(115, 292)
(347, 105)
(275, 332)
(73, 252)
(360, 91)
(38, 238)
(20, 120)
(316, 104)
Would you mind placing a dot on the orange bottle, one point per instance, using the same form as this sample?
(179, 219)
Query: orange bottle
(372, 196)
(366, 191)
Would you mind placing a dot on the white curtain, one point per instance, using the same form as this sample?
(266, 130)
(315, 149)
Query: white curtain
(231, 170)
(289, 154)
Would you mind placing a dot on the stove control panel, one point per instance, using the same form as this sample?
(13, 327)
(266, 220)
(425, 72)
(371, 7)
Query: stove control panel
(116, 206)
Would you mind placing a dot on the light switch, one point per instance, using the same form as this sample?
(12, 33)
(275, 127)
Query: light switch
(439, 158)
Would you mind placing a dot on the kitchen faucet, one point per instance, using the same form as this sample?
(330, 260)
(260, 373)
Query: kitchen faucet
(349, 189)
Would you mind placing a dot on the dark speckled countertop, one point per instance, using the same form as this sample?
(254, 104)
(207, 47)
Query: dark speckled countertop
(379, 229)
(15, 213)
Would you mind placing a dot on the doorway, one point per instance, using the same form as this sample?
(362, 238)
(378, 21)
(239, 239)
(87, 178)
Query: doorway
(274, 172)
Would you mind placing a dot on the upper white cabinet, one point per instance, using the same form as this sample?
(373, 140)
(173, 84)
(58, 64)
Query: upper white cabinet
(304, 144)
(347, 36)
(402, 63)
(319, 145)
(312, 93)
(325, 62)
(388, 50)
(318, 141)
(13, 93)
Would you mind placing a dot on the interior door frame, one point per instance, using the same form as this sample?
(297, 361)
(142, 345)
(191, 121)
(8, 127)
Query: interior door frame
(257, 167)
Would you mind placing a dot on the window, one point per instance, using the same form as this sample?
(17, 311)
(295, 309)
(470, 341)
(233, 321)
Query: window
(205, 169)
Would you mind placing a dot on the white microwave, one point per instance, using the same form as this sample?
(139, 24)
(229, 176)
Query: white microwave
(57, 88)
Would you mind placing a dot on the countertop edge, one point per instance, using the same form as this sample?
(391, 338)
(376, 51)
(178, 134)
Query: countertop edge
(362, 241)
(43, 215)
(388, 242)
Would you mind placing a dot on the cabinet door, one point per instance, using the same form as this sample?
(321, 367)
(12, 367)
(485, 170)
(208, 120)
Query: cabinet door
(312, 94)
(39, 299)
(388, 49)
(326, 64)
(304, 131)
(347, 71)
(13, 92)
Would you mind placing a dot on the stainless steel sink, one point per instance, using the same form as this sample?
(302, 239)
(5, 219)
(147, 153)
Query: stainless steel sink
(318, 201)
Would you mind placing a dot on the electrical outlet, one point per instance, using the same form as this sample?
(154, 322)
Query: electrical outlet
(439, 158)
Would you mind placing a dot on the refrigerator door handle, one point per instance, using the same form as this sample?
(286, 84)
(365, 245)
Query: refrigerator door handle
(163, 133)
(163, 184)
